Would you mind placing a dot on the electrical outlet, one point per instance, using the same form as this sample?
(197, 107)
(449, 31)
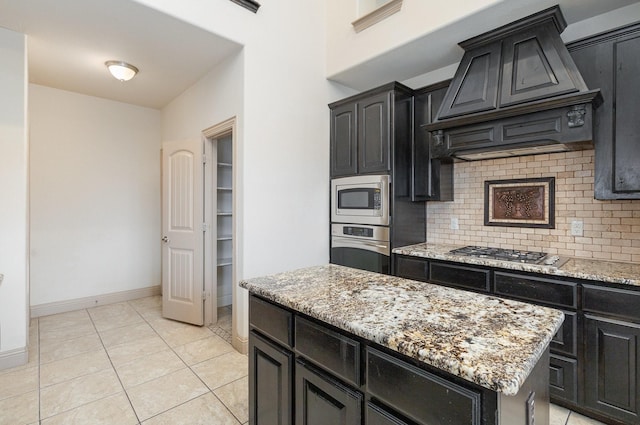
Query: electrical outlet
(577, 228)
(454, 224)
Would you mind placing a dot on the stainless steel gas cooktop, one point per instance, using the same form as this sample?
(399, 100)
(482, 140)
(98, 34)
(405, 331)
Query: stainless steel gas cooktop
(528, 257)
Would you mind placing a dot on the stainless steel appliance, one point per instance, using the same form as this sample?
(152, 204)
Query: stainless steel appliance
(361, 246)
(528, 257)
(360, 200)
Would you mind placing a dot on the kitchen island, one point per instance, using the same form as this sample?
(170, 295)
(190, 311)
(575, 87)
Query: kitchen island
(348, 346)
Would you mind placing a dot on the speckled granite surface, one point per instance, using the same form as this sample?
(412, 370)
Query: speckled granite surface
(604, 271)
(490, 341)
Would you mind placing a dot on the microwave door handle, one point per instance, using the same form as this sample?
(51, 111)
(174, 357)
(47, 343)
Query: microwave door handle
(373, 246)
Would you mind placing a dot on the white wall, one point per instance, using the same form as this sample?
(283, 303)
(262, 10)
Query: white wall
(14, 199)
(415, 19)
(95, 196)
(283, 129)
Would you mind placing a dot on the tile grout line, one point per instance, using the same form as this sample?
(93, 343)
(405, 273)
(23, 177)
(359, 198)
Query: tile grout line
(113, 366)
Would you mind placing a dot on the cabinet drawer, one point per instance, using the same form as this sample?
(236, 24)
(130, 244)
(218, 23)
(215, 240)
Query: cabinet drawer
(565, 341)
(271, 320)
(460, 276)
(611, 301)
(412, 268)
(418, 394)
(563, 378)
(335, 352)
(537, 289)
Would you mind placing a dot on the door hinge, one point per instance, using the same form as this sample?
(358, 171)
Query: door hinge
(205, 295)
(205, 227)
(204, 159)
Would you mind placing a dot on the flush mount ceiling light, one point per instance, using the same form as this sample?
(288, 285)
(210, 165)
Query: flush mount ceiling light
(121, 70)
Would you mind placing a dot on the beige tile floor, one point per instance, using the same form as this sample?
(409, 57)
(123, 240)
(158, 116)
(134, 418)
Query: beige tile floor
(124, 364)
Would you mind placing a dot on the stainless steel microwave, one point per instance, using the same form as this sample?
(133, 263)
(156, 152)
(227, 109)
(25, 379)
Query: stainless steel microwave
(360, 200)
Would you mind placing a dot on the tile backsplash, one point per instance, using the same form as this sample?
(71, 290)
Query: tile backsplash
(611, 228)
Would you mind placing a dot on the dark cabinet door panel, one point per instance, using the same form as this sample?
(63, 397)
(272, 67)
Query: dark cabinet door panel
(321, 400)
(460, 276)
(611, 368)
(610, 62)
(374, 133)
(419, 394)
(335, 352)
(270, 386)
(627, 125)
(343, 140)
(563, 378)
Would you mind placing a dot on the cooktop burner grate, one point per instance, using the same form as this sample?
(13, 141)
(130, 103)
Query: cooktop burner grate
(531, 257)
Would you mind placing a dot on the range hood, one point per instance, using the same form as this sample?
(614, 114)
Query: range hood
(516, 92)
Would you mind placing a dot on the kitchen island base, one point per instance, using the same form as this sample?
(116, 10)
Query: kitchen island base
(305, 371)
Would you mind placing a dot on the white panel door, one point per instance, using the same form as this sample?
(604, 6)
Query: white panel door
(183, 239)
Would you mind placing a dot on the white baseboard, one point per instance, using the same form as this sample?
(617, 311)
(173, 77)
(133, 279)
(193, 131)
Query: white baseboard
(225, 300)
(87, 302)
(13, 358)
(240, 344)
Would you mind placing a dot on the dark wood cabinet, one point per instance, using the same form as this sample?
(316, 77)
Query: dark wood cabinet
(610, 61)
(612, 374)
(432, 179)
(594, 365)
(343, 140)
(364, 129)
(563, 378)
(374, 134)
(322, 400)
(330, 376)
(270, 388)
(404, 387)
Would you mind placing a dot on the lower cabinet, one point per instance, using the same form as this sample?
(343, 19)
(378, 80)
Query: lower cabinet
(594, 365)
(322, 400)
(612, 365)
(563, 378)
(270, 388)
(325, 376)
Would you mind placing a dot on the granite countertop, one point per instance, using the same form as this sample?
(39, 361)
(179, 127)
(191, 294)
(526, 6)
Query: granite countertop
(589, 269)
(490, 341)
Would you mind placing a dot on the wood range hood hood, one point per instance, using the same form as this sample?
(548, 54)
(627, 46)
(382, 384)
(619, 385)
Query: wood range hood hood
(516, 92)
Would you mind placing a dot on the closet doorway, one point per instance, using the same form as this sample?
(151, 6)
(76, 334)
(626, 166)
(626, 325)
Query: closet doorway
(220, 247)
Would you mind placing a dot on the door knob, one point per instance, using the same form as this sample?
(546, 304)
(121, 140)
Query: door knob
(165, 239)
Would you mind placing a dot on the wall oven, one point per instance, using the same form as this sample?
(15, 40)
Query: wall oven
(361, 246)
(361, 200)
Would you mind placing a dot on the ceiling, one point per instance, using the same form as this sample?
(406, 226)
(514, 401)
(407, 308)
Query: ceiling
(70, 40)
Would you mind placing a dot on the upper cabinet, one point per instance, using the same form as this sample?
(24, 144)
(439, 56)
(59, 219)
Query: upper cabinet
(611, 62)
(379, 132)
(432, 179)
(362, 134)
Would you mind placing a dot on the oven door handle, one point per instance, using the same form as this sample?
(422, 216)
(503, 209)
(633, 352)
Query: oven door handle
(380, 247)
